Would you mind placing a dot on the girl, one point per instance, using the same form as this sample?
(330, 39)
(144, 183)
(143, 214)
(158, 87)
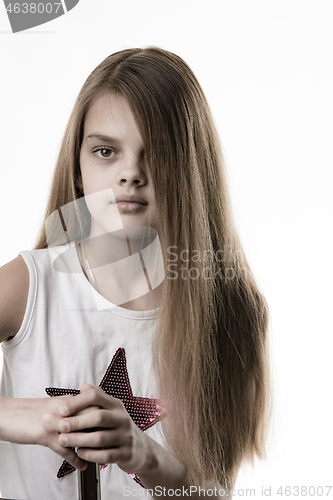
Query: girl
(155, 344)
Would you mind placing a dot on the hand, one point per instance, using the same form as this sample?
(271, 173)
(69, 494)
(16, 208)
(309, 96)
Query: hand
(36, 421)
(114, 438)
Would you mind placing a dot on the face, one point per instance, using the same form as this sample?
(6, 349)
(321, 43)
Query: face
(113, 164)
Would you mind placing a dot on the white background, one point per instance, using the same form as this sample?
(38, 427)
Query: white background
(266, 68)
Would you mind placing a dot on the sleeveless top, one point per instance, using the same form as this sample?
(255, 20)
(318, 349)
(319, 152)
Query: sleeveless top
(71, 335)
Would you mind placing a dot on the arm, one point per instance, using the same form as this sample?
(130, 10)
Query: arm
(35, 421)
(26, 421)
(116, 439)
(14, 286)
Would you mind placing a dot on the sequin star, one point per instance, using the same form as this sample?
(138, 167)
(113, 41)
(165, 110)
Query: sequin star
(145, 412)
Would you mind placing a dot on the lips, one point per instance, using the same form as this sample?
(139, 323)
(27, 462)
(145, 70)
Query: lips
(126, 206)
(130, 203)
(131, 199)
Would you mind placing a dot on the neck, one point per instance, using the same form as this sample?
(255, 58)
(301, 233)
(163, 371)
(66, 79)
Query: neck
(122, 281)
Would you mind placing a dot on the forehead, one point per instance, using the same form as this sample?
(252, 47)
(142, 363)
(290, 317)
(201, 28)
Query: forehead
(111, 115)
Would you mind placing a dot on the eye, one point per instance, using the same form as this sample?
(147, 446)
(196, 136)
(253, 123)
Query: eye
(104, 152)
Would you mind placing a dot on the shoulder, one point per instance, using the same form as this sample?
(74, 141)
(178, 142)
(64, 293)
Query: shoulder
(14, 286)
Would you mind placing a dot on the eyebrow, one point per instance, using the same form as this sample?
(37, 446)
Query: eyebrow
(103, 138)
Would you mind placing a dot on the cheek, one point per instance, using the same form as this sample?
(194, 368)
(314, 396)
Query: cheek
(99, 201)
(103, 211)
(94, 178)
(90, 179)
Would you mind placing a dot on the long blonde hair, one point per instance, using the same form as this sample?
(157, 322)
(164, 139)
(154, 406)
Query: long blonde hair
(211, 346)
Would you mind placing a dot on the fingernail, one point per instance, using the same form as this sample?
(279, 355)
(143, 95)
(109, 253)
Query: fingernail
(63, 440)
(64, 426)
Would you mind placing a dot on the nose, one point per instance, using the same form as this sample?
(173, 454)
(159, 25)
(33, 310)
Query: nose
(132, 171)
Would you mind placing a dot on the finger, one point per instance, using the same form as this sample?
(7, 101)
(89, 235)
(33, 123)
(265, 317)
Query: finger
(70, 455)
(109, 456)
(91, 397)
(98, 439)
(92, 420)
(87, 410)
(86, 387)
(65, 397)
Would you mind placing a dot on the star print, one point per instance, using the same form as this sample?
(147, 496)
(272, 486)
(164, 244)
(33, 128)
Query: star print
(145, 412)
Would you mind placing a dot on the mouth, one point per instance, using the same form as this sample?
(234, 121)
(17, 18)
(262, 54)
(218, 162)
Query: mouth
(130, 206)
(131, 198)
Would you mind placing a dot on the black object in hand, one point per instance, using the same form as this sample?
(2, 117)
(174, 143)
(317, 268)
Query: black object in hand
(89, 482)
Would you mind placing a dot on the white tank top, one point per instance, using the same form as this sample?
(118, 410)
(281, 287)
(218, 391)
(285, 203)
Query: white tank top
(69, 336)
